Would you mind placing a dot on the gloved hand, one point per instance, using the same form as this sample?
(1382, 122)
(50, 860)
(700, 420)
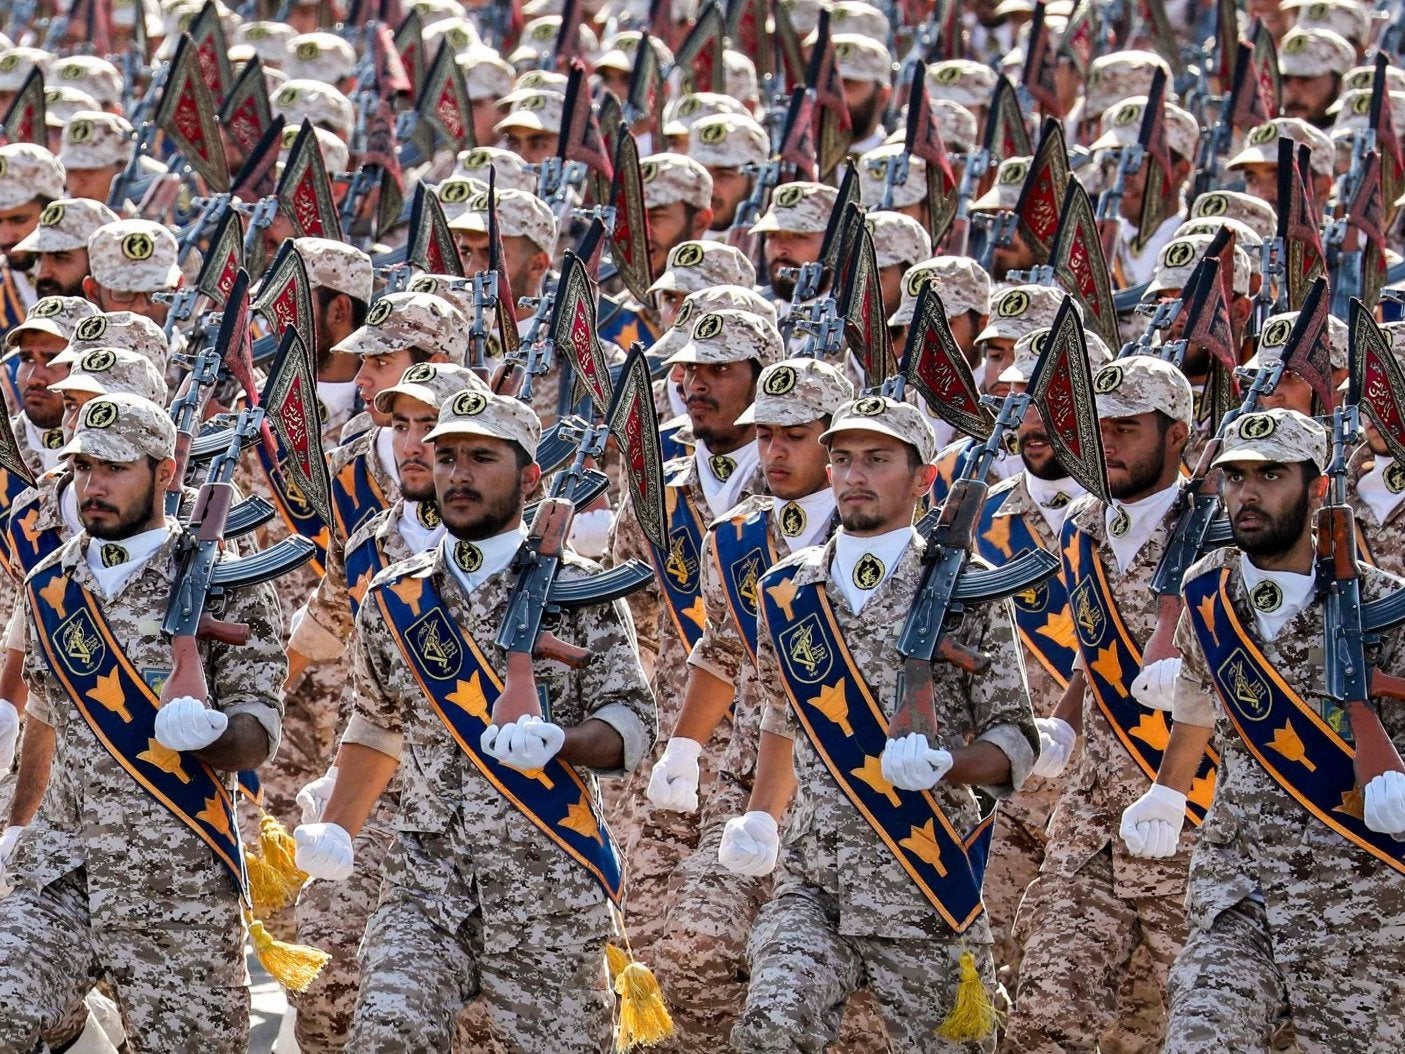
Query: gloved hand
(186, 723)
(1384, 810)
(910, 765)
(324, 851)
(750, 844)
(1151, 825)
(525, 744)
(1155, 686)
(1056, 740)
(7, 849)
(9, 734)
(590, 532)
(673, 783)
(312, 799)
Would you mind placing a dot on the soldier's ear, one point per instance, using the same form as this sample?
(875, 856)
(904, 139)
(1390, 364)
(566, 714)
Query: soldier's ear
(1317, 490)
(165, 472)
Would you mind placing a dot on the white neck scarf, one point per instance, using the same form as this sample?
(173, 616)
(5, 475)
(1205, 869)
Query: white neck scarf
(1275, 596)
(115, 563)
(812, 513)
(47, 457)
(68, 509)
(385, 453)
(722, 494)
(337, 397)
(1130, 525)
(1374, 487)
(473, 562)
(419, 537)
(861, 565)
(1053, 496)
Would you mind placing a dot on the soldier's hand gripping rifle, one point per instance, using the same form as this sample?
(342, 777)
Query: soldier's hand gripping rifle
(1061, 387)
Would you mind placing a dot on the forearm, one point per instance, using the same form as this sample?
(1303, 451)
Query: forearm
(1181, 759)
(242, 745)
(363, 774)
(705, 704)
(775, 776)
(32, 780)
(1070, 707)
(12, 686)
(594, 745)
(979, 765)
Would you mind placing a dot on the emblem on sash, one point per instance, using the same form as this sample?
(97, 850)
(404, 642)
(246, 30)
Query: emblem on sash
(747, 571)
(682, 564)
(792, 520)
(1034, 599)
(434, 643)
(1249, 689)
(1088, 614)
(868, 572)
(1267, 596)
(80, 645)
(806, 654)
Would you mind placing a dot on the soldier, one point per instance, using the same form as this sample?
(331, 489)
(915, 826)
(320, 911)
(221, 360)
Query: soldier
(527, 229)
(1376, 485)
(512, 171)
(94, 150)
(794, 227)
(866, 68)
(855, 864)
(532, 128)
(731, 147)
(1257, 162)
(1293, 392)
(310, 100)
(30, 178)
(118, 796)
(1093, 906)
(496, 883)
(60, 244)
(129, 262)
(1312, 61)
(488, 79)
(694, 266)
(42, 336)
(965, 291)
(1296, 893)
(1000, 200)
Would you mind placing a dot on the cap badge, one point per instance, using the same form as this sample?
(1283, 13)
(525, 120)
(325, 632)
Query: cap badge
(780, 381)
(708, 327)
(1257, 426)
(1108, 379)
(138, 246)
(469, 404)
(689, 254)
(870, 406)
(379, 313)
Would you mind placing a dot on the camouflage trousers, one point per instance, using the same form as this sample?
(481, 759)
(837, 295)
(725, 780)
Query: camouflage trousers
(803, 972)
(51, 955)
(1236, 986)
(1095, 965)
(548, 994)
(1015, 856)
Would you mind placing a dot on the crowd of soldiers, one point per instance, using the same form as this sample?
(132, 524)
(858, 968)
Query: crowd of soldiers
(580, 526)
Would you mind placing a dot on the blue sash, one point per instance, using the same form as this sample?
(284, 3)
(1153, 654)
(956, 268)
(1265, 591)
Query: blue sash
(1111, 662)
(669, 443)
(462, 687)
(299, 515)
(679, 569)
(120, 707)
(741, 554)
(12, 310)
(949, 468)
(1041, 612)
(355, 495)
(1284, 733)
(836, 708)
(27, 544)
(362, 565)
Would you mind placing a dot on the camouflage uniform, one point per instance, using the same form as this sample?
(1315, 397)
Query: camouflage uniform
(1288, 920)
(1385, 541)
(844, 914)
(108, 882)
(474, 899)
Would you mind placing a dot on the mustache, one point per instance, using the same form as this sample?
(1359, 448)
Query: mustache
(700, 400)
(93, 505)
(462, 492)
(413, 462)
(850, 495)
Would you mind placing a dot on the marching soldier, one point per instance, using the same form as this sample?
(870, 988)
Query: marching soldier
(30, 178)
(1376, 488)
(1297, 883)
(60, 244)
(129, 262)
(129, 866)
(502, 872)
(38, 341)
(869, 894)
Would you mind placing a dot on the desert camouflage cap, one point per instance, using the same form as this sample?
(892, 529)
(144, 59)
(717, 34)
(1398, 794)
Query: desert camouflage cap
(537, 80)
(898, 240)
(685, 111)
(93, 139)
(876, 413)
(796, 392)
(117, 329)
(484, 74)
(432, 11)
(406, 321)
(1030, 347)
(739, 76)
(861, 58)
(520, 215)
(1253, 212)
(66, 224)
(431, 383)
(696, 265)
(538, 38)
(694, 305)
(122, 427)
(873, 177)
(300, 98)
(538, 110)
(335, 154)
(322, 57)
(1261, 144)
(962, 81)
(1140, 384)
(28, 172)
(57, 316)
(1347, 18)
(457, 291)
(1179, 258)
(1120, 75)
(1020, 310)
(963, 284)
(1313, 52)
(337, 266)
(670, 177)
(1364, 77)
(1353, 110)
(107, 371)
(98, 77)
(798, 208)
(455, 193)
(728, 140)
(268, 39)
(1122, 125)
(1273, 338)
(63, 102)
(729, 335)
(16, 63)
(1280, 436)
(478, 413)
(512, 171)
(620, 51)
(1004, 193)
(855, 16)
(1245, 238)
(134, 256)
(457, 31)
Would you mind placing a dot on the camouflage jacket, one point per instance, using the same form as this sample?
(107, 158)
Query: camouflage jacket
(1386, 540)
(830, 849)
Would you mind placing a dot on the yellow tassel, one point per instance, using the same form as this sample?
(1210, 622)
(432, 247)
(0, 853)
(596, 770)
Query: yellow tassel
(644, 1020)
(267, 887)
(616, 959)
(973, 1015)
(280, 851)
(294, 966)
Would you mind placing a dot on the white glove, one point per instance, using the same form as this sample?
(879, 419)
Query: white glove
(1155, 686)
(186, 723)
(673, 783)
(324, 851)
(1056, 740)
(312, 799)
(7, 849)
(590, 532)
(1385, 803)
(9, 734)
(750, 844)
(1151, 825)
(526, 744)
(910, 765)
